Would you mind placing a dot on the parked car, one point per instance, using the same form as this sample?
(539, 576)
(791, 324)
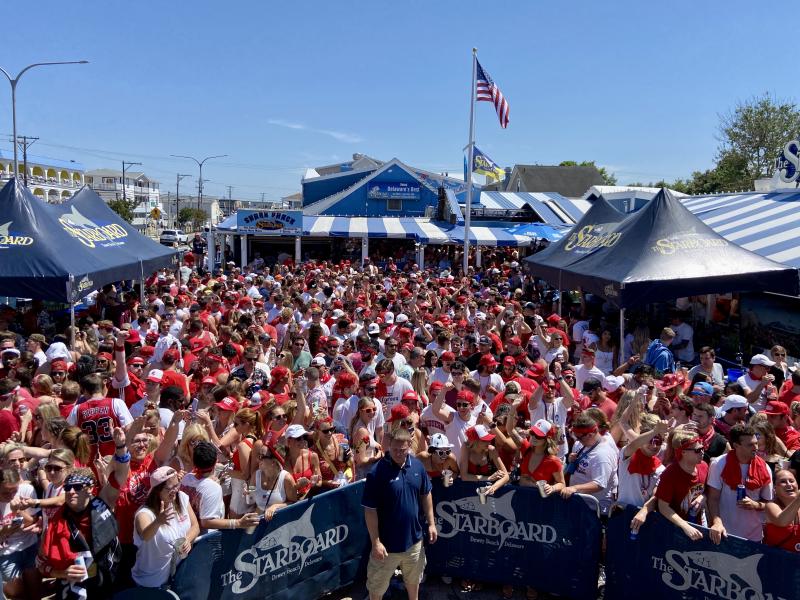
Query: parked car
(172, 237)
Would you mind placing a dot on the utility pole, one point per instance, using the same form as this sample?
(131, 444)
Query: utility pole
(22, 142)
(262, 197)
(178, 195)
(230, 201)
(125, 165)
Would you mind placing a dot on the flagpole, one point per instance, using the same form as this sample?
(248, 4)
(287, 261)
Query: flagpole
(470, 158)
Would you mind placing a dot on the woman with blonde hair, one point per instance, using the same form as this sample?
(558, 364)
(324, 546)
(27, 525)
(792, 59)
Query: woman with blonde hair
(247, 423)
(192, 435)
(366, 450)
(42, 385)
(419, 382)
(626, 417)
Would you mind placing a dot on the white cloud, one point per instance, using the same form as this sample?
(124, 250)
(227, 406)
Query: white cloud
(341, 136)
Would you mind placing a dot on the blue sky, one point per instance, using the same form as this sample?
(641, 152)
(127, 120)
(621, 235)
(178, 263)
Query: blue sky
(635, 86)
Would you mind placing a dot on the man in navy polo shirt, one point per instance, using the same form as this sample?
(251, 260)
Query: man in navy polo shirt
(394, 490)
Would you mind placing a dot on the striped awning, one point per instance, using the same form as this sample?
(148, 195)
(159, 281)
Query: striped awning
(552, 208)
(488, 236)
(765, 223)
(421, 230)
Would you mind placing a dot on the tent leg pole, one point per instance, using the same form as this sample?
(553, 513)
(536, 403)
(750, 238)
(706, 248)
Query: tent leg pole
(364, 249)
(621, 335)
(141, 291)
(72, 325)
(478, 258)
(297, 250)
(560, 294)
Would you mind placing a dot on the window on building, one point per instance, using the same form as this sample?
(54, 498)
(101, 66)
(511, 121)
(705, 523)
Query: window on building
(394, 204)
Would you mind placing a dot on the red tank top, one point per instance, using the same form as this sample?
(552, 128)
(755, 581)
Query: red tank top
(97, 419)
(787, 538)
(235, 458)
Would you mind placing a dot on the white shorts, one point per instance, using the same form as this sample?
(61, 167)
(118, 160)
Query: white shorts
(238, 503)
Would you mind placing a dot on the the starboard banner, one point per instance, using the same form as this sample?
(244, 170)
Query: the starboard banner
(664, 564)
(516, 537)
(308, 549)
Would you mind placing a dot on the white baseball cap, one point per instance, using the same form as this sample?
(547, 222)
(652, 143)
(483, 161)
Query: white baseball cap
(439, 440)
(541, 428)
(734, 401)
(762, 359)
(388, 318)
(401, 318)
(611, 383)
(296, 431)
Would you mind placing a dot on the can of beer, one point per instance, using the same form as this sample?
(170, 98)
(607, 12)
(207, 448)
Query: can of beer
(447, 478)
(634, 535)
(741, 492)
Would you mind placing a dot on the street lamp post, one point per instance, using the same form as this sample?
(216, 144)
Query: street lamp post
(178, 196)
(13, 81)
(200, 181)
(125, 165)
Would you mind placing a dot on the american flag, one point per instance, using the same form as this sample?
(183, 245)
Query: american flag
(488, 91)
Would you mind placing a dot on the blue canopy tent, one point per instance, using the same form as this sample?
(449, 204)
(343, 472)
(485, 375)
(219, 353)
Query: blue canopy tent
(42, 260)
(133, 247)
(540, 231)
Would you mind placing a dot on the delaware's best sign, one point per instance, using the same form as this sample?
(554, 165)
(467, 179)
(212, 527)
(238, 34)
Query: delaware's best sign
(270, 222)
(788, 163)
(393, 191)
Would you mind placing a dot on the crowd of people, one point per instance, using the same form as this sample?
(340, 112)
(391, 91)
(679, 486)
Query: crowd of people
(222, 398)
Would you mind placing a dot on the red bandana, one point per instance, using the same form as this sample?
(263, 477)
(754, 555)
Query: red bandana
(757, 473)
(643, 464)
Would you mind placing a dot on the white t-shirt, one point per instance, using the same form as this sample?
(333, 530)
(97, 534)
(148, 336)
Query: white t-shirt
(492, 380)
(717, 375)
(555, 413)
(154, 557)
(600, 466)
(394, 393)
(738, 521)
(346, 409)
(21, 539)
(750, 384)
(582, 374)
(205, 496)
(684, 333)
(440, 375)
(456, 431)
(634, 488)
(398, 360)
(431, 423)
(137, 410)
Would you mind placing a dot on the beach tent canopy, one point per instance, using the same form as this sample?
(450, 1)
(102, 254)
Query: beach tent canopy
(58, 253)
(659, 253)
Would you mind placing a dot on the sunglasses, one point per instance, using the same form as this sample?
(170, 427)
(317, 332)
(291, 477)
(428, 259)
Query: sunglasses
(58, 373)
(695, 450)
(74, 487)
(369, 411)
(462, 404)
(53, 468)
(406, 423)
(278, 417)
(370, 388)
(326, 431)
(266, 457)
(779, 354)
(442, 453)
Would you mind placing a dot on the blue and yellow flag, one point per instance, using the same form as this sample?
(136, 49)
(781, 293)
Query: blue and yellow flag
(483, 165)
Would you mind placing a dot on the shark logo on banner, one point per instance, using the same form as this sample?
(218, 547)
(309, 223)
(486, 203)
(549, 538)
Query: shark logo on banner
(89, 233)
(715, 573)
(495, 519)
(288, 549)
(10, 238)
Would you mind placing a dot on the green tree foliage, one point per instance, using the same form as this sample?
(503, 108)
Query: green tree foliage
(197, 217)
(123, 208)
(608, 178)
(754, 132)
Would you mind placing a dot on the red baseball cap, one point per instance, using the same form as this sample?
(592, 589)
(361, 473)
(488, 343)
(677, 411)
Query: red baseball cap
(774, 407)
(448, 356)
(228, 403)
(487, 360)
(399, 412)
(509, 360)
(479, 433)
